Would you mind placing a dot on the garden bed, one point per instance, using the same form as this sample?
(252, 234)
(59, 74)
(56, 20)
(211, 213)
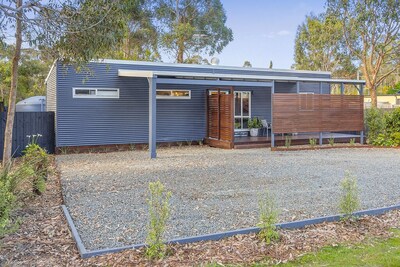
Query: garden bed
(317, 147)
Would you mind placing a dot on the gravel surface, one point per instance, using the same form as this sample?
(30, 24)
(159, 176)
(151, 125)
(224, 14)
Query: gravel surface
(216, 190)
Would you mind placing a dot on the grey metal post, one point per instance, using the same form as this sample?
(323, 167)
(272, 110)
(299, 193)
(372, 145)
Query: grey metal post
(320, 133)
(362, 132)
(297, 87)
(272, 112)
(342, 88)
(152, 117)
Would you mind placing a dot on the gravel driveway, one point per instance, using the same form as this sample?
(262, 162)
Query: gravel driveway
(214, 189)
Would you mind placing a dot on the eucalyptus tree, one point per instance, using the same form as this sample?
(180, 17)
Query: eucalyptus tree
(320, 46)
(371, 30)
(191, 27)
(72, 30)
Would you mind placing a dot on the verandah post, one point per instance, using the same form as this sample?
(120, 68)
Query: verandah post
(152, 117)
(272, 115)
(320, 133)
(362, 132)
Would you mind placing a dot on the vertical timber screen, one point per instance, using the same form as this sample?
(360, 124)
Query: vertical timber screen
(306, 113)
(29, 123)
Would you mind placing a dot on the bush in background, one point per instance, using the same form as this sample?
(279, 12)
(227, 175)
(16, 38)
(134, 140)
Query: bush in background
(383, 128)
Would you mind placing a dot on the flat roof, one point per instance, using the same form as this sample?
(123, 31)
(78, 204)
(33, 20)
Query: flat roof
(227, 77)
(181, 65)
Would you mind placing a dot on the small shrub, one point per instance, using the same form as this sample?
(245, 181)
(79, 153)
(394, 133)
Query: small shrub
(64, 150)
(145, 147)
(268, 217)
(288, 141)
(132, 147)
(36, 159)
(159, 211)
(7, 202)
(254, 123)
(332, 141)
(189, 142)
(352, 141)
(312, 142)
(382, 140)
(180, 144)
(349, 197)
(200, 142)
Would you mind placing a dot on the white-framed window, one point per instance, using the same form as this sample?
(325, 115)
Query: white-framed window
(214, 92)
(83, 92)
(173, 94)
(242, 102)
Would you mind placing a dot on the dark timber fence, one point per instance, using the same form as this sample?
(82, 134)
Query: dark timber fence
(29, 123)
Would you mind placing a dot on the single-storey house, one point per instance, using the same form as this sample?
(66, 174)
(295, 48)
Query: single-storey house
(113, 102)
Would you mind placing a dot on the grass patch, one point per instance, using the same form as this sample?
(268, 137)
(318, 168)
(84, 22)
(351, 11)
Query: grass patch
(374, 252)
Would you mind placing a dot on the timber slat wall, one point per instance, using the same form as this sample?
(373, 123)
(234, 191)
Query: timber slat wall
(29, 123)
(302, 113)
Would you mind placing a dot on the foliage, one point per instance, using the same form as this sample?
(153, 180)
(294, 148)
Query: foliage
(331, 141)
(254, 123)
(392, 121)
(349, 197)
(159, 211)
(247, 64)
(7, 201)
(371, 252)
(38, 160)
(190, 27)
(352, 141)
(32, 73)
(312, 142)
(268, 217)
(319, 45)
(374, 123)
(371, 32)
(288, 141)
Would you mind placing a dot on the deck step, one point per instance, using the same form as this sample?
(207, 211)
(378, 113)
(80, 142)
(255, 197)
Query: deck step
(247, 146)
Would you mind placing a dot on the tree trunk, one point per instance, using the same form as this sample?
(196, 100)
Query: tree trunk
(13, 89)
(374, 98)
(179, 59)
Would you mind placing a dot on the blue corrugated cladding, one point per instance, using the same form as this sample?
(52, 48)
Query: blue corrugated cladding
(85, 121)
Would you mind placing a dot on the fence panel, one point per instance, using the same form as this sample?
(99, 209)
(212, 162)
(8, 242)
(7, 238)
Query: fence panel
(29, 124)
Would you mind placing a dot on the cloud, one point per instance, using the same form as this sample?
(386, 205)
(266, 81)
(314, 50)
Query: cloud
(273, 35)
(283, 33)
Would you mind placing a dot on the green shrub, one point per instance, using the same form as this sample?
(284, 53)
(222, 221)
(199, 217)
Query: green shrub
(312, 142)
(159, 212)
(37, 159)
(268, 217)
(392, 121)
(332, 141)
(374, 123)
(395, 137)
(352, 141)
(7, 202)
(349, 197)
(288, 141)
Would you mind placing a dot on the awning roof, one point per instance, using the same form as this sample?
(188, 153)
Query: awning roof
(227, 77)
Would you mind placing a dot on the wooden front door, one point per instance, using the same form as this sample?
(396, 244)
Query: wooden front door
(220, 117)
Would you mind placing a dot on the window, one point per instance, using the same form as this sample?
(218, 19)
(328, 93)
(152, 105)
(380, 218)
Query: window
(306, 101)
(95, 93)
(242, 110)
(173, 94)
(222, 92)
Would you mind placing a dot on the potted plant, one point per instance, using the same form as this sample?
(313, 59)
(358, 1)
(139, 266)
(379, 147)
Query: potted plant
(254, 125)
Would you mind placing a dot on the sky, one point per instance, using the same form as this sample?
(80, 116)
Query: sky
(265, 30)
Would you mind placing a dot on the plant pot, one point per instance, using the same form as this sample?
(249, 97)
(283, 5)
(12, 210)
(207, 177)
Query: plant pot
(254, 132)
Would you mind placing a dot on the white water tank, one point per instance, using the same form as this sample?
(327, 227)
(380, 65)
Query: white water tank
(32, 104)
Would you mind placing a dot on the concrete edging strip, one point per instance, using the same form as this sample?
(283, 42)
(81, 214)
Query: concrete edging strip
(216, 236)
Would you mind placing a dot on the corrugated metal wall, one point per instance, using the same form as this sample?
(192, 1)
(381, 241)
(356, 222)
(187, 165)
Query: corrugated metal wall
(84, 121)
